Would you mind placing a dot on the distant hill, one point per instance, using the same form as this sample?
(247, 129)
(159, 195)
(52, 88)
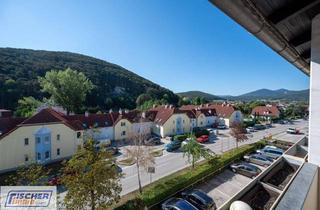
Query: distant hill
(193, 94)
(115, 85)
(266, 94)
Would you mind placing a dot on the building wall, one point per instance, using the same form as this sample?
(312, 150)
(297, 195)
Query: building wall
(144, 127)
(105, 133)
(170, 126)
(236, 116)
(201, 121)
(122, 129)
(210, 120)
(13, 150)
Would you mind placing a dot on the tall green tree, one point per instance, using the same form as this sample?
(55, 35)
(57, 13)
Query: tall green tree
(92, 179)
(67, 88)
(27, 106)
(194, 151)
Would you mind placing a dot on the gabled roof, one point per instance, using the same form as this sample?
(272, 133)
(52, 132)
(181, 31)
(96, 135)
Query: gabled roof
(165, 113)
(223, 110)
(265, 111)
(8, 124)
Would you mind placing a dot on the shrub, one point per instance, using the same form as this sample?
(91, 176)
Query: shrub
(181, 137)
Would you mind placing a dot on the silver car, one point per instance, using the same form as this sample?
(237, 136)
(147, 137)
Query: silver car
(259, 159)
(271, 151)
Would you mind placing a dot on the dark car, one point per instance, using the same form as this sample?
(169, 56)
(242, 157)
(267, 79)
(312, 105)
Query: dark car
(112, 150)
(199, 199)
(153, 141)
(177, 204)
(245, 169)
(172, 145)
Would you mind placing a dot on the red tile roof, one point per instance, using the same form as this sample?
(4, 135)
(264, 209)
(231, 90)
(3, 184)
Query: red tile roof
(9, 124)
(266, 111)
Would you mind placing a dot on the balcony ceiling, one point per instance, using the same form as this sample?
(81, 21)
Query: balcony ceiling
(284, 25)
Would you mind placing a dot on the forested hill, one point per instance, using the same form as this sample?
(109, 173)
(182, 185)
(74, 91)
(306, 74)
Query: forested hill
(115, 85)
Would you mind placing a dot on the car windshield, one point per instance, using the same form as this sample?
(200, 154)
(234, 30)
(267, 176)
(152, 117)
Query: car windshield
(202, 196)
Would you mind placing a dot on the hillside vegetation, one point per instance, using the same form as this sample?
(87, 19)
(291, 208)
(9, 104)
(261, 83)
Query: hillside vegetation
(115, 86)
(194, 94)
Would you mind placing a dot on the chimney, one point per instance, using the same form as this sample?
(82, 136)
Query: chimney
(143, 114)
(207, 105)
(120, 111)
(166, 106)
(110, 111)
(171, 106)
(154, 106)
(86, 114)
(126, 111)
(210, 111)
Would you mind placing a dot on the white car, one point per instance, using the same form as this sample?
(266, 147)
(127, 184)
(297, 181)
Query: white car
(210, 130)
(186, 141)
(250, 129)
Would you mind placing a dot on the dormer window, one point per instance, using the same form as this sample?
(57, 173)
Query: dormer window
(123, 123)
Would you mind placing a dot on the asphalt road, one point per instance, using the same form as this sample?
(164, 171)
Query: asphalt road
(174, 161)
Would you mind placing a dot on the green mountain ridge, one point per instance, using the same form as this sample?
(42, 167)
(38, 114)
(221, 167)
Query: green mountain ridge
(115, 85)
(193, 94)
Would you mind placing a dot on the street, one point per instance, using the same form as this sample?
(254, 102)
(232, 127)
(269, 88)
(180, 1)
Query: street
(174, 161)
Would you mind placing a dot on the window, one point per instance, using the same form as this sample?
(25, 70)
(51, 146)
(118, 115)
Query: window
(38, 156)
(201, 123)
(46, 140)
(78, 134)
(38, 140)
(58, 137)
(123, 133)
(182, 121)
(26, 158)
(26, 141)
(47, 155)
(173, 122)
(58, 152)
(123, 123)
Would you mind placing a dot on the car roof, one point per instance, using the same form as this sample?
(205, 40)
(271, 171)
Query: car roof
(185, 205)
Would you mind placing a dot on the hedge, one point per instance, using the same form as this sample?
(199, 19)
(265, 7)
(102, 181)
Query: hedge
(181, 137)
(159, 190)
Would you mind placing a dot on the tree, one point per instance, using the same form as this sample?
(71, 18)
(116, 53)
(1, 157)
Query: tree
(67, 88)
(142, 99)
(27, 106)
(194, 151)
(91, 178)
(28, 175)
(139, 153)
(237, 131)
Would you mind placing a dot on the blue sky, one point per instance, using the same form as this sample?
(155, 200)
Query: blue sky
(181, 45)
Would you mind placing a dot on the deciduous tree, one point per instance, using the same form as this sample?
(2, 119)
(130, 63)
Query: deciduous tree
(140, 153)
(92, 179)
(67, 88)
(27, 106)
(237, 131)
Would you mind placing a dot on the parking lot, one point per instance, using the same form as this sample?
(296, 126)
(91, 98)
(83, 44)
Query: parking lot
(225, 185)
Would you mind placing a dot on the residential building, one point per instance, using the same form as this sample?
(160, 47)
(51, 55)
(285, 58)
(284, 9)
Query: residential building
(226, 113)
(266, 112)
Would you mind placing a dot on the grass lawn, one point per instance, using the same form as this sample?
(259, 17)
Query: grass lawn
(126, 162)
(157, 153)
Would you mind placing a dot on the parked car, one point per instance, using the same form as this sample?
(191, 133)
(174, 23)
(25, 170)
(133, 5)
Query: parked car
(271, 151)
(250, 129)
(153, 141)
(199, 199)
(177, 204)
(221, 126)
(293, 131)
(186, 141)
(210, 130)
(268, 125)
(203, 139)
(259, 159)
(112, 150)
(245, 169)
(172, 146)
(55, 180)
(259, 127)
